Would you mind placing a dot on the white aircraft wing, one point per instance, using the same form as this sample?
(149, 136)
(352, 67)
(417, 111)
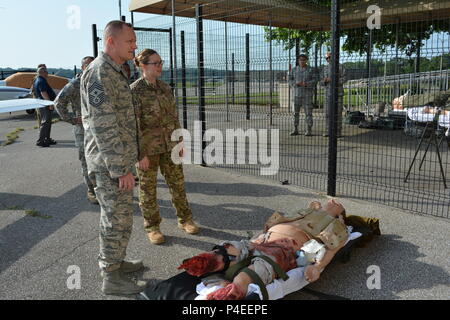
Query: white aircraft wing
(23, 104)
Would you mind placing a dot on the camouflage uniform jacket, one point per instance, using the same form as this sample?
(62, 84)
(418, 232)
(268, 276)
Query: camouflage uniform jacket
(70, 95)
(157, 116)
(306, 74)
(109, 118)
(326, 73)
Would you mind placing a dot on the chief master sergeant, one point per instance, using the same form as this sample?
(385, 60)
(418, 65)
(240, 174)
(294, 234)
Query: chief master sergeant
(111, 152)
(70, 96)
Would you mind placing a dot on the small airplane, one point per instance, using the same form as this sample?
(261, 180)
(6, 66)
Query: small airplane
(17, 99)
(23, 104)
(15, 94)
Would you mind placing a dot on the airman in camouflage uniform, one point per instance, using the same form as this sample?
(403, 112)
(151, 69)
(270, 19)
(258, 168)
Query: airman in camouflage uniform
(70, 96)
(111, 151)
(326, 82)
(157, 119)
(304, 79)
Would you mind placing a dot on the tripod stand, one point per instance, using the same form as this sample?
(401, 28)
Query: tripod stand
(433, 128)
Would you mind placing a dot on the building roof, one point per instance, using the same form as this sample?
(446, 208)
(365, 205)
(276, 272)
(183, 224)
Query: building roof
(300, 14)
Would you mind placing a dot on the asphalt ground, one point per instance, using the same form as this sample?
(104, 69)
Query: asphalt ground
(47, 226)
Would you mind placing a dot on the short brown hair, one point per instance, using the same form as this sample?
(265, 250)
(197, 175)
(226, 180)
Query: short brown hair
(142, 58)
(113, 27)
(86, 59)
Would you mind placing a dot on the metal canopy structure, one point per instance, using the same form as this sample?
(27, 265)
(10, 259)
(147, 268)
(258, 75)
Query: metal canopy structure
(298, 14)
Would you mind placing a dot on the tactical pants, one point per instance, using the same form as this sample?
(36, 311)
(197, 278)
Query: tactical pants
(45, 124)
(338, 111)
(116, 221)
(89, 179)
(148, 202)
(306, 103)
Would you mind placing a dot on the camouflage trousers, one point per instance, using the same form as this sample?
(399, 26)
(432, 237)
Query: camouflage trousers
(148, 202)
(116, 221)
(338, 111)
(89, 179)
(306, 103)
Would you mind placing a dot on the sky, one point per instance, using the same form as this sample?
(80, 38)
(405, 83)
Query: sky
(49, 31)
(59, 33)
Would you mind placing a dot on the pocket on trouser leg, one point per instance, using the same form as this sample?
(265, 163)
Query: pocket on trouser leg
(173, 173)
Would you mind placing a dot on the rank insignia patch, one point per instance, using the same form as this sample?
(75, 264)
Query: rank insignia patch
(96, 94)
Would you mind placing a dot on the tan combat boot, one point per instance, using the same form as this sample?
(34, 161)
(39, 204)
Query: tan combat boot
(156, 237)
(92, 198)
(131, 266)
(295, 132)
(189, 227)
(308, 131)
(116, 282)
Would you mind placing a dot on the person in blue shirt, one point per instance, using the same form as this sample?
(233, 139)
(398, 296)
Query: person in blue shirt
(43, 91)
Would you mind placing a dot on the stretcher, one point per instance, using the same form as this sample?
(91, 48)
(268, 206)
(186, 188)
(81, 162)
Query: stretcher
(184, 286)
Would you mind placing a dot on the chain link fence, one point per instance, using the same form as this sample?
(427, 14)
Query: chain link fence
(234, 59)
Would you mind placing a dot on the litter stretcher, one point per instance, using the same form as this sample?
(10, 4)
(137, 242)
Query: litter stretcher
(184, 286)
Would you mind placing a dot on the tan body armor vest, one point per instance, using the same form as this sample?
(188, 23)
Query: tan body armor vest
(317, 224)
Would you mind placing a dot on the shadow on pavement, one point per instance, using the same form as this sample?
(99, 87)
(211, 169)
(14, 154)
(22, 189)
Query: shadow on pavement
(22, 235)
(400, 270)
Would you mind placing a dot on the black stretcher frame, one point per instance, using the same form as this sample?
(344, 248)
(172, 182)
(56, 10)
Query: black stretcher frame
(433, 128)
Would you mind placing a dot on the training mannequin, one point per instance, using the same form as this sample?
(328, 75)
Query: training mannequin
(274, 252)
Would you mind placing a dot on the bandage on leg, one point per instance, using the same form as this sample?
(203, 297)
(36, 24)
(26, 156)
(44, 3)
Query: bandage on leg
(230, 292)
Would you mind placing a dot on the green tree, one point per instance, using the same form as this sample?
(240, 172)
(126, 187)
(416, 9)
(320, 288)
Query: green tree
(411, 36)
(287, 37)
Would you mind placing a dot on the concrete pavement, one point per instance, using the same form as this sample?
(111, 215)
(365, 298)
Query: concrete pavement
(36, 251)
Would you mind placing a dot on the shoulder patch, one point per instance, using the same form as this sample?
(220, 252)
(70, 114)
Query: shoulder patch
(96, 94)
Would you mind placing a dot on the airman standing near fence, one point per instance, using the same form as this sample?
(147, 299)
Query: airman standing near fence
(111, 151)
(304, 79)
(325, 80)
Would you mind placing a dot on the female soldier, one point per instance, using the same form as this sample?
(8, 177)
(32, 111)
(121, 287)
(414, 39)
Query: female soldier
(157, 119)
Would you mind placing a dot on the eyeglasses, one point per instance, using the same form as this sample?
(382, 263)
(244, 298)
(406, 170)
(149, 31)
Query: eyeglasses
(327, 58)
(159, 63)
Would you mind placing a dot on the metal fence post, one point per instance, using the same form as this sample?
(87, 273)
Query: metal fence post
(369, 72)
(174, 48)
(397, 84)
(226, 73)
(247, 74)
(233, 79)
(417, 64)
(94, 40)
(183, 79)
(332, 123)
(271, 75)
(316, 70)
(201, 75)
(171, 58)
